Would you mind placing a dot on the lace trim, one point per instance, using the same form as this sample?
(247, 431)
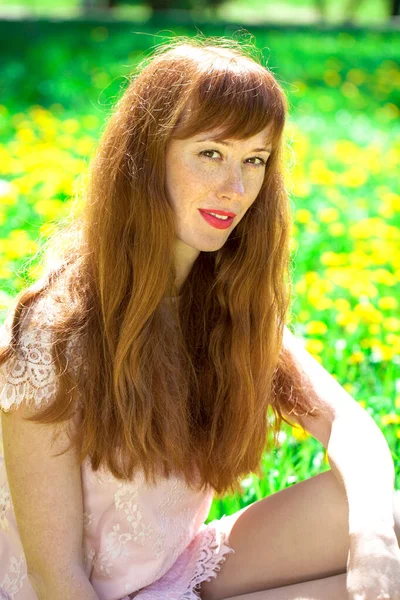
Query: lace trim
(212, 556)
(30, 376)
(201, 561)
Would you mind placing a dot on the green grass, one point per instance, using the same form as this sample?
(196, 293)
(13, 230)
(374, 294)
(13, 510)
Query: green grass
(343, 152)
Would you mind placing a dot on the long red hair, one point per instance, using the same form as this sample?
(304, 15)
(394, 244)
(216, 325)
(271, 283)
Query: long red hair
(193, 390)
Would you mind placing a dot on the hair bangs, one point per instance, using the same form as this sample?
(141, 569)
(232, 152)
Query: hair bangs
(238, 103)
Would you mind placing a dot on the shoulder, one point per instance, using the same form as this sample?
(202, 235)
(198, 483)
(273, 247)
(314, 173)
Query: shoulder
(29, 375)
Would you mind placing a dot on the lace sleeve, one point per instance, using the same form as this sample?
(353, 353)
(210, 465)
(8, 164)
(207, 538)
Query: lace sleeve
(30, 376)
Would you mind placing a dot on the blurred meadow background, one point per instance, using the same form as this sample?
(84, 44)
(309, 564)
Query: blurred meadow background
(64, 67)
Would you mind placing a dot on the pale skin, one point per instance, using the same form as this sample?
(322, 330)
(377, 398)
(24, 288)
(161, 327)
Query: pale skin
(295, 544)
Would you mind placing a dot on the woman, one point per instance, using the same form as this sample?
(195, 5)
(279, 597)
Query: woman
(137, 374)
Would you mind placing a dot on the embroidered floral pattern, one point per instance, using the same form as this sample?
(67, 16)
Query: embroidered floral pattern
(126, 501)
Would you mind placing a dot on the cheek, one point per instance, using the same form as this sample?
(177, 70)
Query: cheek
(184, 182)
(253, 185)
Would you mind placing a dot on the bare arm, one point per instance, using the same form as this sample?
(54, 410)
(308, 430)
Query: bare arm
(46, 494)
(70, 585)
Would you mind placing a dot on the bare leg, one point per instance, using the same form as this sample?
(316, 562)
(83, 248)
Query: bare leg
(328, 588)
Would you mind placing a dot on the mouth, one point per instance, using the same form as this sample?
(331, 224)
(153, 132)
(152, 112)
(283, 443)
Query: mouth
(218, 223)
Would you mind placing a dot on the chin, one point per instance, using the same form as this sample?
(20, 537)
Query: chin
(211, 247)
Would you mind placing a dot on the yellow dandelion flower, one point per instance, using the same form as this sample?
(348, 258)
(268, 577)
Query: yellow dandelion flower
(5, 272)
(320, 174)
(332, 258)
(390, 419)
(336, 229)
(316, 327)
(393, 340)
(388, 303)
(51, 208)
(356, 358)
(364, 288)
(301, 188)
(304, 315)
(391, 324)
(66, 140)
(362, 403)
(303, 215)
(85, 146)
(301, 286)
(351, 327)
(391, 198)
(388, 353)
(374, 329)
(368, 312)
(314, 347)
(345, 318)
(354, 177)
(384, 276)
(19, 244)
(341, 304)
(349, 387)
(311, 277)
(25, 135)
(322, 303)
(346, 149)
(328, 215)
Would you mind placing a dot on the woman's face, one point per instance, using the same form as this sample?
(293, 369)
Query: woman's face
(203, 174)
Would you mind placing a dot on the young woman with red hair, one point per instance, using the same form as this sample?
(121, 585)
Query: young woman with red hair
(137, 374)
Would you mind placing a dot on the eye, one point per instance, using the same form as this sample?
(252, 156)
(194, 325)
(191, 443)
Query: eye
(262, 162)
(205, 152)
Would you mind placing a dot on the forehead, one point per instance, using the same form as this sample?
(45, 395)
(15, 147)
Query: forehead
(217, 134)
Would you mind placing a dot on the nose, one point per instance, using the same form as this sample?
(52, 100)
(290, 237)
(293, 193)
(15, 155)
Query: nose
(232, 185)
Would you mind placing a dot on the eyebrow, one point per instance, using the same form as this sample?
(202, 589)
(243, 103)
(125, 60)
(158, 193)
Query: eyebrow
(215, 141)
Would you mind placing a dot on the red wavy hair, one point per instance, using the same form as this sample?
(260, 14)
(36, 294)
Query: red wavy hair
(194, 390)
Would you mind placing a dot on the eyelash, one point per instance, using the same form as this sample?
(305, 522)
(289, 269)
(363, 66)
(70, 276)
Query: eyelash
(262, 164)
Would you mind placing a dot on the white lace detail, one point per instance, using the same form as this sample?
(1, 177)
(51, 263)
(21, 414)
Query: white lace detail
(170, 527)
(5, 505)
(88, 558)
(125, 500)
(15, 577)
(30, 376)
(119, 542)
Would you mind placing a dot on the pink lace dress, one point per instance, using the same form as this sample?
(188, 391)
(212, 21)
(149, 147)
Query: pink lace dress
(139, 541)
